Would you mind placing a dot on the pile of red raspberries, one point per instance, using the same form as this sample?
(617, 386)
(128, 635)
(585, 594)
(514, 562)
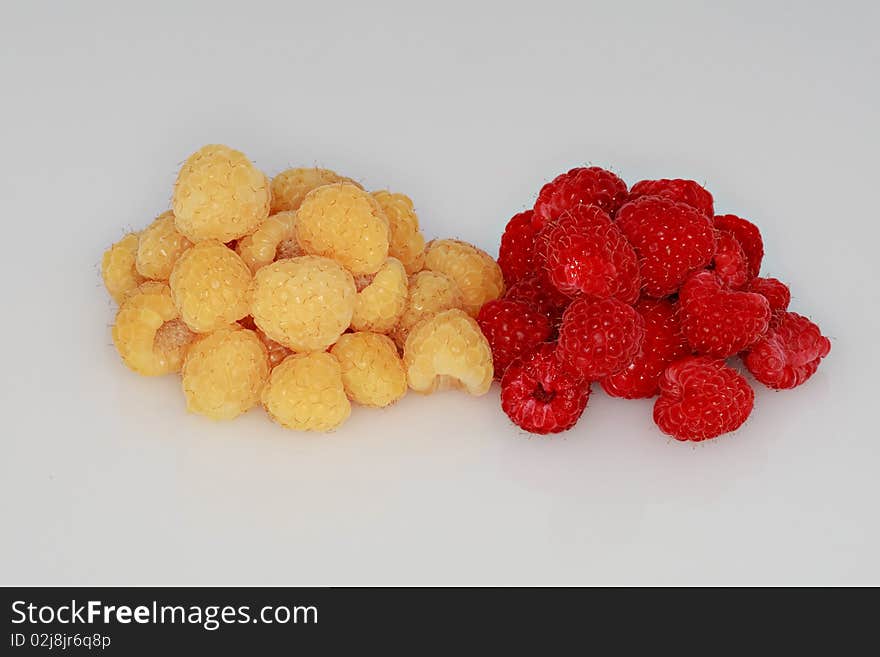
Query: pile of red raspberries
(647, 292)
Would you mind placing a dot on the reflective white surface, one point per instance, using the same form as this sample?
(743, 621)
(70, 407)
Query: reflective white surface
(468, 108)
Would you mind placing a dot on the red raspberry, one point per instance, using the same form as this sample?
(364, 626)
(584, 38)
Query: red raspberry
(701, 398)
(671, 239)
(580, 217)
(777, 294)
(537, 292)
(775, 291)
(513, 329)
(749, 237)
(730, 262)
(788, 355)
(598, 338)
(583, 252)
(587, 185)
(664, 342)
(515, 256)
(684, 191)
(538, 395)
(720, 322)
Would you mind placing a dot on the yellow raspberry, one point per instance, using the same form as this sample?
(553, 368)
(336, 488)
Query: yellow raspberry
(148, 333)
(219, 195)
(343, 222)
(475, 272)
(224, 373)
(407, 243)
(172, 335)
(288, 248)
(305, 392)
(448, 350)
(260, 247)
(290, 187)
(159, 246)
(277, 352)
(381, 299)
(118, 270)
(211, 286)
(429, 293)
(304, 303)
(372, 371)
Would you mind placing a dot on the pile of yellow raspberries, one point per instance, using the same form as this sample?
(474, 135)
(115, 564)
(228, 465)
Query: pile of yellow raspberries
(304, 293)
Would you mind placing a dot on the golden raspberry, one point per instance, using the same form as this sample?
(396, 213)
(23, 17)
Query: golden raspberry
(224, 373)
(429, 293)
(290, 187)
(381, 299)
(289, 248)
(219, 195)
(211, 286)
(343, 222)
(372, 371)
(304, 303)
(172, 335)
(261, 247)
(277, 352)
(475, 272)
(407, 243)
(159, 246)
(147, 332)
(448, 350)
(118, 270)
(305, 392)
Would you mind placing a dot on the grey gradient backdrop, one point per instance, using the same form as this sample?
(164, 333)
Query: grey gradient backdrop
(468, 107)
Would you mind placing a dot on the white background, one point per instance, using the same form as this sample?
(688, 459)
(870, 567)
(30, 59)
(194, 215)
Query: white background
(468, 108)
